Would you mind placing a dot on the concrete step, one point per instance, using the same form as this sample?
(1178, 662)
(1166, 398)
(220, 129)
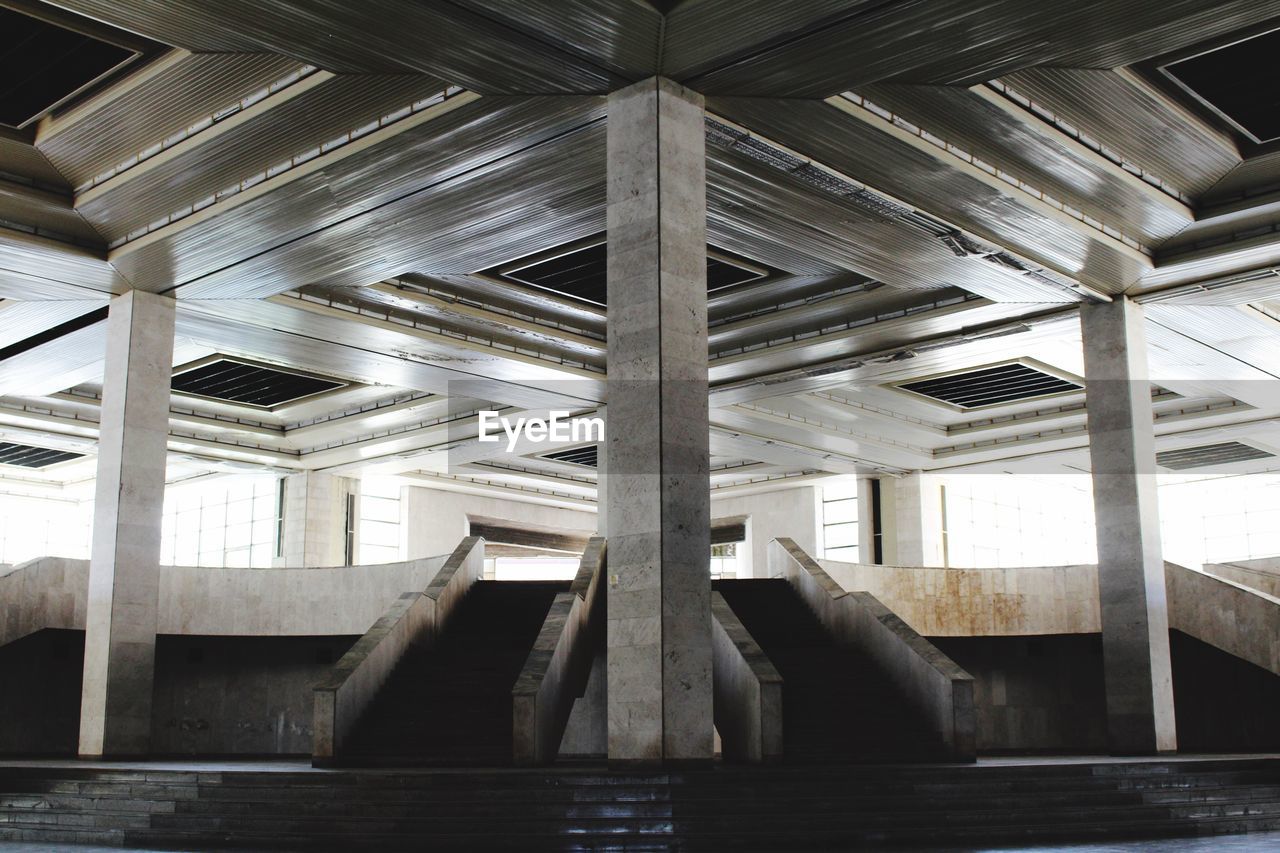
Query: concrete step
(741, 808)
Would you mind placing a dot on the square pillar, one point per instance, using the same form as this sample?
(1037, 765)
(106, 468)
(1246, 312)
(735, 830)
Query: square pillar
(658, 514)
(911, 515)
(868, 519)
(124, 564)
(1131, 585)
(315, 520)
(602, 484)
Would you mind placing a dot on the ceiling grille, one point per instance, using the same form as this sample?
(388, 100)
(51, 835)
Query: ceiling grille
(1229, 80)
(44, 65)
(990, 386)
(26, 456)
(1209, 454)
(250, 384)
(585, 456)
(581, 272)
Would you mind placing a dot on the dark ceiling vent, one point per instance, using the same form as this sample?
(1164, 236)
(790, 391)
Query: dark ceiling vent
(1209, 454)
(990, 386)
(43, 65)
(250, 384)
(579, 271)
(585, 456)
(1230, 81)
(26, 456)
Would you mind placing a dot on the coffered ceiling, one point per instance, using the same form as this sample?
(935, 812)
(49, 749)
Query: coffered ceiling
(404, 200)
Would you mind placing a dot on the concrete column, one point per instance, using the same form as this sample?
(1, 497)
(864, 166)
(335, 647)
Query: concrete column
(602, 479)
(911, 517)
(659, 626)
(866, 521)
(433, 519)
(124, 565)
(1131, 585)
(315, 519)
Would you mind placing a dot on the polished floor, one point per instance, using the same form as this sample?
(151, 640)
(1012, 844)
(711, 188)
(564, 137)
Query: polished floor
(296, 765)
(1261, 841)
(302, 771)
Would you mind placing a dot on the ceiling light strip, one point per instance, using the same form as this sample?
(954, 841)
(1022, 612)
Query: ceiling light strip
(726, 134)
(1267, 277)
(830, 427)
(849, 325)
(1084, 139)
(203, 124)
(995, 171)
(376, 311)
(338, 142)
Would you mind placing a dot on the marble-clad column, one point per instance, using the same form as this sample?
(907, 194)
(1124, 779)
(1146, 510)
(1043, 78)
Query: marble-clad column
(124, 566)
(315, 520)
(658, 516)
(602, 479)
(1131, 583)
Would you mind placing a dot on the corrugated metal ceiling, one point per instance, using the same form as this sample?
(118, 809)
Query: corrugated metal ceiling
(175, 91)
(1129, 116)
(213, 162)
(1034, 152)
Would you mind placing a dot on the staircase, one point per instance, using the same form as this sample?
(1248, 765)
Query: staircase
(837, 705)
(739, 808)
(450, 704)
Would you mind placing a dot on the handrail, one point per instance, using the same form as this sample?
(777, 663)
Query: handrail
(1264, 580)
(747, 690)
(52, 592)
(558, 666)
(1228, 615)
(416, 618)
(935, 683)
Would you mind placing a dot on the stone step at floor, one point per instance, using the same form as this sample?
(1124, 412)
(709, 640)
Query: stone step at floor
(937, 780)
(728, 835)
(887, 812)
(249, 800)
(746, 808)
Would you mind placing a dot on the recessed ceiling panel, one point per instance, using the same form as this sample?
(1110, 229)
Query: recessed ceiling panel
(580, 271)
(585, 456)
(1236, 82)
(1206, 455)
(42, 65)
(250, 384)
(27, 456)
(990, 386)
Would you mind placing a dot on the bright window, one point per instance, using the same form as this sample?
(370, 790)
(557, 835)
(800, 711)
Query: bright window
(221, 521)
(541, 568)
(379, 532)
(840, 521)
(1220, 519)
(37, 527)
(996, 521)
(724, 560)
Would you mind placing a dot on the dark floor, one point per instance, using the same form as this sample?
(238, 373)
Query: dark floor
(1261, 841)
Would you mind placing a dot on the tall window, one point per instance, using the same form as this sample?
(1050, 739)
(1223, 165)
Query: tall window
(1220, 519)
(545, 567)
(38, 527)
(379, 529)
(840, 522)
(724, 560)
(995, 521)
(220, 521)
(281, 492)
